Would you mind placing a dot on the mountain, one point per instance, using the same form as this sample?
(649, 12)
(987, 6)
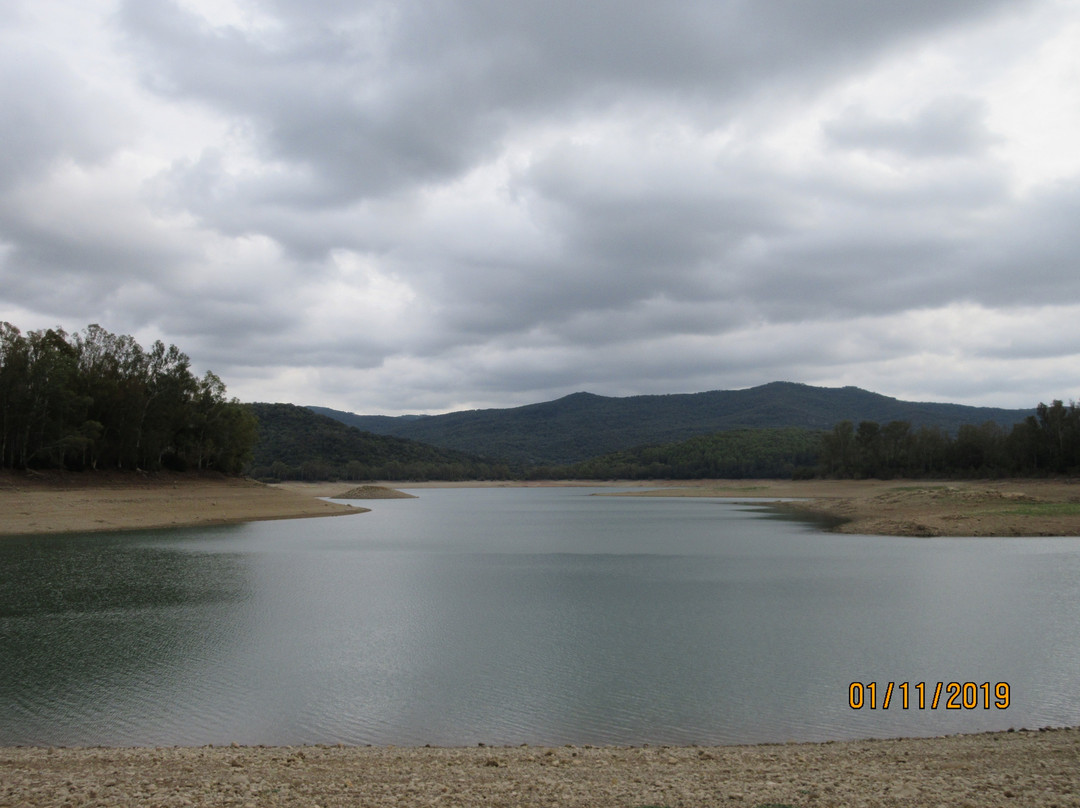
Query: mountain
(295, 443)
(584, 425)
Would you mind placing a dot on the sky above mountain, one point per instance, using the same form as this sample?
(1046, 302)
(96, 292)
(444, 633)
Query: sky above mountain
(402, 206)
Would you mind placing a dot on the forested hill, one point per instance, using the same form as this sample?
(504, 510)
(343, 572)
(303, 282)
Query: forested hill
(297, 444)
(733, 454)
(581, 426)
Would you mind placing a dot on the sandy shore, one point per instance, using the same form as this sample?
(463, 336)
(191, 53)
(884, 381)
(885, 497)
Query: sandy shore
(60, 503)
(77, 502)
(912, 507)
(1028, 769)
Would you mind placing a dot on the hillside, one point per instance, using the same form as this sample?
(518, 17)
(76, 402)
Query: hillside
(582, 426)
(737, 453)
(297, 444)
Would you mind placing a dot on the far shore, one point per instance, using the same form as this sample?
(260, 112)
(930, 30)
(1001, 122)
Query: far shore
(927, 508)
(1013, 507)
(41, 503)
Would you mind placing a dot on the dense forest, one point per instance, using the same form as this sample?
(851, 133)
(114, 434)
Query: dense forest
(1042, 444)
(735, 454)
(1047, 443)
(297, 444)
(97, 400)
(582, 426)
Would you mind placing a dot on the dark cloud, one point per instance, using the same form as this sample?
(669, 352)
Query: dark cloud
(366, 100)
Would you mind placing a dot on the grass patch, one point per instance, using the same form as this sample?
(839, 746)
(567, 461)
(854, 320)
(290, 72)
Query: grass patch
(1044, 509)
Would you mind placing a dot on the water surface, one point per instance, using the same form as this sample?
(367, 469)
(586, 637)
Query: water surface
(525, 615)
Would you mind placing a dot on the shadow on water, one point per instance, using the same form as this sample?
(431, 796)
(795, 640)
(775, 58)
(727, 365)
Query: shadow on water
(778, 512)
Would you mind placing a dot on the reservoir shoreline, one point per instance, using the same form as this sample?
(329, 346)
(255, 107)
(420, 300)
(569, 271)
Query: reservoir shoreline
(925, 508)
(1004, 768)
(64, 502)
(43, 503)
(1030, 768)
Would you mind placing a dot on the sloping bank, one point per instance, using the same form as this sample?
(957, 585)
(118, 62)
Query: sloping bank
(1017, 507)
(66, 502)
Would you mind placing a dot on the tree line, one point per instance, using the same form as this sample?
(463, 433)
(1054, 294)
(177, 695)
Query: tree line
(732, 454)
(97, 400)
(1047, 443)
(1044, 444)
(298, 444)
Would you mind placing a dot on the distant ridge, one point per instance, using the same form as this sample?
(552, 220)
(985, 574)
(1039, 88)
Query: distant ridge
(296, 443)
(584, 425)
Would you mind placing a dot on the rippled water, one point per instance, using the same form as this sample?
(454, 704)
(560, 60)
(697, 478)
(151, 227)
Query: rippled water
(525, 615)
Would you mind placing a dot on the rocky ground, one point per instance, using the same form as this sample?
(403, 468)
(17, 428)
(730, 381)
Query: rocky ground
(1022, 768)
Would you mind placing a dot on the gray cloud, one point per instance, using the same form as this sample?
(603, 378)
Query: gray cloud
(46, 115)
(947, 127)
(364, 101)
(423, 206)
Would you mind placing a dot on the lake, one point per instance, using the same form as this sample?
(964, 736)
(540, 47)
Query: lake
(530, 615)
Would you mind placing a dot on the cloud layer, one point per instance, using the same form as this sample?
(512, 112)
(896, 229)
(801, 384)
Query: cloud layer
(397, 206)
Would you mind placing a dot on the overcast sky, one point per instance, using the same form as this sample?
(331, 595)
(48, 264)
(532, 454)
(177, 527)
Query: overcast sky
(399, 206)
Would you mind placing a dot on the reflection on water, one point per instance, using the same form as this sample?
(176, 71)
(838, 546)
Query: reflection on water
(524, 615)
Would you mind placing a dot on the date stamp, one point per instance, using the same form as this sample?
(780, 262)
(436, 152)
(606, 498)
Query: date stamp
(924, 695)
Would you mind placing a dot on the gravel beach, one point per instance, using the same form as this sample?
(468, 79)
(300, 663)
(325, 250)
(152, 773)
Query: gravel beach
(1040, 768)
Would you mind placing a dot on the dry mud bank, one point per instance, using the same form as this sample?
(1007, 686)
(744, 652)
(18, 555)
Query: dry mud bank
(60, 503)
(914, 507)
(1015, 768)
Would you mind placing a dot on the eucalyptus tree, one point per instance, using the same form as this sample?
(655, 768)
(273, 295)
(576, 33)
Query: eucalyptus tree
(99, 400)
